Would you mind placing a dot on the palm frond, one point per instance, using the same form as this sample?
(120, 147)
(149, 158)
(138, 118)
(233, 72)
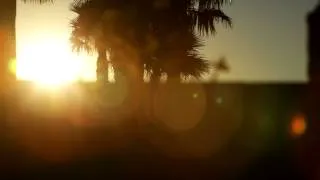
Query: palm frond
(195, 66)
(205, 4)
(79, 45)
(83, 35)
(206, 19)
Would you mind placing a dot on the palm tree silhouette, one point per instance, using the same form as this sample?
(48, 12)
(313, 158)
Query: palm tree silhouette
(99, 20)
(177, 57)
(106, 27)
(219, 66)
(177, 35)
(87, 35)
(8, 39)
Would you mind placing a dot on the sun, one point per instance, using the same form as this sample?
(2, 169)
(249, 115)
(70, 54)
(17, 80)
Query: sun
(49, 62)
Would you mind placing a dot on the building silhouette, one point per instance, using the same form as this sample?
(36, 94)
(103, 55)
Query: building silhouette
(313, 20)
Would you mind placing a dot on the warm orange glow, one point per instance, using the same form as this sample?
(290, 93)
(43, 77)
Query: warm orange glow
(49, 61)
(298, 125)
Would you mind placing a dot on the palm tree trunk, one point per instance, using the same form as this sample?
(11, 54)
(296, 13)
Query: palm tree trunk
(102, 66)
(7, 54)
(7, 42)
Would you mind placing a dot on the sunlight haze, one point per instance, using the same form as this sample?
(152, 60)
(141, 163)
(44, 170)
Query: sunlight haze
(43, 50)
(262, 46)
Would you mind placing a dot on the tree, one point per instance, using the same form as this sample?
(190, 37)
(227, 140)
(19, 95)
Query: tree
(219, 66)
(106, 27)
(87, 35)
(180, 55)
(147, 19)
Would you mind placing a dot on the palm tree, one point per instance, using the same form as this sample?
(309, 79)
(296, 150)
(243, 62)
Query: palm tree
(182, 62)
(8, 39)
(189, 14)
(177, 54)
(219, 66)
(105, 27)
(180, 54)
(87, 35)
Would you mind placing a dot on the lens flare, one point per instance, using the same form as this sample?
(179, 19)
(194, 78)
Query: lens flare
(180, 107)
(298, 125)
(12, 66)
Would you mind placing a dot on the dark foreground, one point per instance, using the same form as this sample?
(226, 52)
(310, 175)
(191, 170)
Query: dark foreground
(225, 131)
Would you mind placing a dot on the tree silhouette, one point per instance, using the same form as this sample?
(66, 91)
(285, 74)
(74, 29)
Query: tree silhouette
(107, 26)
(177, 56)
(146, 29)
(219, 66)
(178, 42)
(87, 35)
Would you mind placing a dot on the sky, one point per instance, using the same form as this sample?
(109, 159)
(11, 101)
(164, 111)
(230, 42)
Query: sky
(267, 41)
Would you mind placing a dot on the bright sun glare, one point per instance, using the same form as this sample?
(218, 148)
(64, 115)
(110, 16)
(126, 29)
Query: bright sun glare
(49, 62)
